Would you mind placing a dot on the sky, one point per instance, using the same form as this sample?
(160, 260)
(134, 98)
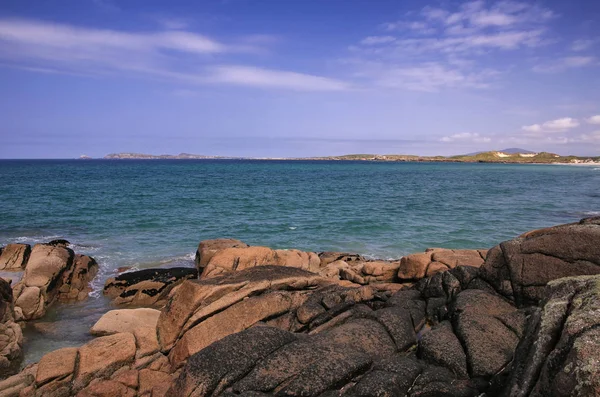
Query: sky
(298, 78)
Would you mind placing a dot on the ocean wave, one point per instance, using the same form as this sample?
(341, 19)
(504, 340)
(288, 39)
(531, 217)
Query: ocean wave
(34, 239)
(591, 213)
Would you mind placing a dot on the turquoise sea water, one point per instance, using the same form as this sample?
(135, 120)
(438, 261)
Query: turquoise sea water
(154, 212)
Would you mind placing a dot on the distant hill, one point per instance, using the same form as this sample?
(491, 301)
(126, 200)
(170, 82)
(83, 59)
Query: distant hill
(142, 156)
(515, 150)
(512, 150)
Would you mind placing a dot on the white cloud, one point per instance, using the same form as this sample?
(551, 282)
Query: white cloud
(172, 55)
(562, 64)
(594, 119)
(466, 137)
(552, 126)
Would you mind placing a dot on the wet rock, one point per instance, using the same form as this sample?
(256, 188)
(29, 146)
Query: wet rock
(14, 256)
(75, 283)
(436, 260)
(146, 287)
(208, 248)
(520, 268)
(60, 242)
(235, 259)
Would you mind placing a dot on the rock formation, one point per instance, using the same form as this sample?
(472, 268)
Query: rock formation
(472, 329)
(11, 337)
(435, 260)
(52, 272)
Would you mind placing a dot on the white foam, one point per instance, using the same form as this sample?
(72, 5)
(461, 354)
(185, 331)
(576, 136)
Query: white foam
(293, 227)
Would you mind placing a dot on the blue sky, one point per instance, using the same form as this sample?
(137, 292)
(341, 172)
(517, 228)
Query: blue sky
(298, 77)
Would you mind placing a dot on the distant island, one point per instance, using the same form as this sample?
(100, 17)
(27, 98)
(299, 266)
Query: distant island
(511, 155)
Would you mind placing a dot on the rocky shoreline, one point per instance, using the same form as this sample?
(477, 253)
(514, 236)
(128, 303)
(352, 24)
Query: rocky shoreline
(519, 319)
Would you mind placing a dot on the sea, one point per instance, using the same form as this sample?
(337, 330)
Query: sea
(153, 213)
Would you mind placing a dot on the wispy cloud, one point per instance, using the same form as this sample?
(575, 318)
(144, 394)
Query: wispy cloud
(166, 54)
(465, 137)
(582, 44)
(562, 64)
(252, 76)
(451, 45)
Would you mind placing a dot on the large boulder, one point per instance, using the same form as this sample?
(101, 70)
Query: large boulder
(520, 268)
(14, 256)
(235, 259)
(146, 287)
(435, 260)
(53, 272)
(11, 337)
(207, 248)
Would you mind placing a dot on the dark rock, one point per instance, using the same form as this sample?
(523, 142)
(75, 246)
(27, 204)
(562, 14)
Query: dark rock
(218, 366)
(560, 352)
(479, 322)
(530, 261)
(146, 287)
(59, 243)
(398, 323)
(440, 346)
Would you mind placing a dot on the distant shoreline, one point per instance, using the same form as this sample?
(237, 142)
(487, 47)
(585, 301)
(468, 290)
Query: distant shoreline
(496, 157)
